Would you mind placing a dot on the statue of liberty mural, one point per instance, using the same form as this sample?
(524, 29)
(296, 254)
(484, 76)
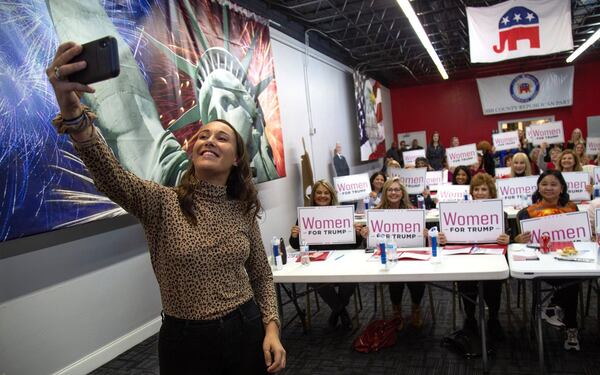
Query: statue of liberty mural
(127, 114)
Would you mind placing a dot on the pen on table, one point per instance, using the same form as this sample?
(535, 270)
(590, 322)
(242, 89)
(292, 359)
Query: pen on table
(339, 257)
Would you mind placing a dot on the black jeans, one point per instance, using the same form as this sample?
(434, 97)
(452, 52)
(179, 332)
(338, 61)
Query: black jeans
(567, 298)
(416, 292)
(230, 345)
(336, 300)
(492, 292)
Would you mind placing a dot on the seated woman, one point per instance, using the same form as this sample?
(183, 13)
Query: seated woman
(568, 161)
(461, 176)
(395, 197)
(429, 203)
(551, 198)
(377, 181)
(521, 166)
(482, 186)
(323, 194)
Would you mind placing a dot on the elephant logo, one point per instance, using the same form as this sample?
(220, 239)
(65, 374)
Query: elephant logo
(524, 87)
(519, 23)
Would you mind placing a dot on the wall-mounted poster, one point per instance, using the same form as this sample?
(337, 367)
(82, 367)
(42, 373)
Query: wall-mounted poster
(183, 64)
(367, 92)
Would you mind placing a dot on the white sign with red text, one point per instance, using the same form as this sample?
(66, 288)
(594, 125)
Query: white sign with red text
(597, 175)
(462, 155)
(503, 172)
(404, 226)
(433, 179)
(592, 146)
(572, 226)
(353, 187)
(513, 190)
(450, 193)
(597, 221)
(413, 179)
(409, 157)
(550, 132)
(480, 221)
(327, 225)
(506, 140)
(577, 183)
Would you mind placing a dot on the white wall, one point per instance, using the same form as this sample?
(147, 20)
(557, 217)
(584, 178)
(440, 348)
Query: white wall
(71, 307)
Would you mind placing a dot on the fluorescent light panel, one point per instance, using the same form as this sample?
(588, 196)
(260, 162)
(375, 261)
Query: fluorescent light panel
(584, 46)
(416, 25)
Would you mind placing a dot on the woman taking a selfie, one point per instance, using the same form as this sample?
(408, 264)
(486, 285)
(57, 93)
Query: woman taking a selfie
(216, 286)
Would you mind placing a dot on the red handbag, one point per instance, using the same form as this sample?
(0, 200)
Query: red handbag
(377, 335)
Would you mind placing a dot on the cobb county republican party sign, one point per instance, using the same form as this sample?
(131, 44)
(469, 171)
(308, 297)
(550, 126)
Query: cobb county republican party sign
(353, 187)
(550, 132)
(462, 155)
(477, 221)
(404, 226)
(572, 226)
(526, 91)
(327, 225)
(506, 140)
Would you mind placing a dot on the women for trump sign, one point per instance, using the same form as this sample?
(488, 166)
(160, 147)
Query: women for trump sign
(477, 221)
(327, 225)
(403, 226)
(462, 155)
(572, 226)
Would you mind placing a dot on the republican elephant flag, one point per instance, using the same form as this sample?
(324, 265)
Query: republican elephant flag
(519, 28)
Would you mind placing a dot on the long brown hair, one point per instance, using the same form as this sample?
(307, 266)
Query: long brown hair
(239, 183)
(404, 201)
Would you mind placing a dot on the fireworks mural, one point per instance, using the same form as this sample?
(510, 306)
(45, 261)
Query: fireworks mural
(370, 117)
(183, 63)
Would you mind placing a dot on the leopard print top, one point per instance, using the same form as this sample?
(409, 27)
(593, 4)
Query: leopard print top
(204, 271)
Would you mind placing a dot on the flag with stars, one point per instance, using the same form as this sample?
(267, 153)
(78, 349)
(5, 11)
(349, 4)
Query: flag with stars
(519, 28)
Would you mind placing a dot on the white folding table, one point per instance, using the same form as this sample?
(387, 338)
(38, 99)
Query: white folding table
(549, 268)
(353, 266)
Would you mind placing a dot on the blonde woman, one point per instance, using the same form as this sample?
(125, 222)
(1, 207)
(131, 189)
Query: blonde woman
(323, 194)
(576, 137)
(520, 165)
(395, 196)
(568, 161)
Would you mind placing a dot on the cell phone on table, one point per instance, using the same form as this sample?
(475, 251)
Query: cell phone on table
(102, 57)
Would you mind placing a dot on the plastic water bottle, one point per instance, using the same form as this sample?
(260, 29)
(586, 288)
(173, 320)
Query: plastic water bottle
(391, 250)
(383, 257)
(433, 233)
(420, 201)
(597, 191)
(371, 202)
(366, 201)
(277, 254)
(304, 256)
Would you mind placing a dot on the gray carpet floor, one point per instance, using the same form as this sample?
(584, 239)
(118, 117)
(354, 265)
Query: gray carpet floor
(416, 352)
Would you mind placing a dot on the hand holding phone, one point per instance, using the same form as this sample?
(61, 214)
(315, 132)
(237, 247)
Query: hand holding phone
(102, 59)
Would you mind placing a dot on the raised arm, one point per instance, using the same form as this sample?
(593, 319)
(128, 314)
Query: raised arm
(139, 197)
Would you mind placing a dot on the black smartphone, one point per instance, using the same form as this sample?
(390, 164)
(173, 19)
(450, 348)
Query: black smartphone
(102, 57)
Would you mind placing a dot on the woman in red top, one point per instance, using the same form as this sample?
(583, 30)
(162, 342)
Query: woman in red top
(551, 198)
